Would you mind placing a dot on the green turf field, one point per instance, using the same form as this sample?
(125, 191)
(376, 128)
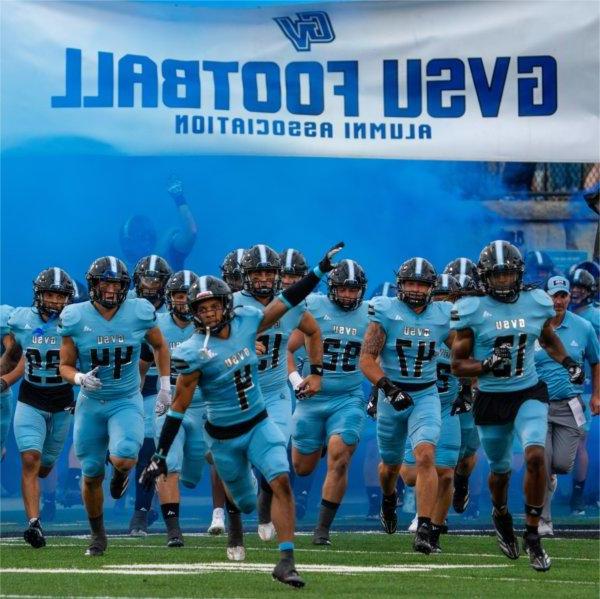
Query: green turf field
(358, 565)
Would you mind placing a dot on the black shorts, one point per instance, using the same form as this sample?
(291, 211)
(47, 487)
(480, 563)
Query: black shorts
(47, 399)
(501, 408)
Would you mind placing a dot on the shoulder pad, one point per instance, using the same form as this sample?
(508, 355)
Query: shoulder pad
(314, 302)
(249, 312)
(466, 306)
(444, 310)
(541, 297)
(464, 312)
(144, 310)
(69, 318)
(16, 319)
(185, 357)
(377, 308)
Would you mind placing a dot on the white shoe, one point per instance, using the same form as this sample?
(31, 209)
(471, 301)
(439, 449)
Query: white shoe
(545, 529)
(217, 526)
(266, 532)
(412, 527)
(236, 554)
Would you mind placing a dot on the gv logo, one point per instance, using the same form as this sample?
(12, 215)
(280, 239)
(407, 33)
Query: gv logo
(310, 27)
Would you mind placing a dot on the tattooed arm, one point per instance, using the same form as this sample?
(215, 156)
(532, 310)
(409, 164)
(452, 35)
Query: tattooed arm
(371, 348)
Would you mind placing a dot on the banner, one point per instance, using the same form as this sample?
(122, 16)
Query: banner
(505, 81)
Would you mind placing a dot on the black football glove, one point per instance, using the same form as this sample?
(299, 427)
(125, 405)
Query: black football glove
(398, 399)
(576, 374)
(326, 264)
(156, 468)
(372, 403)
(498, 361)
(464, 400)
(70, 408)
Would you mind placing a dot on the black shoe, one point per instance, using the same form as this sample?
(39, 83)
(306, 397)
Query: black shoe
(285, 571)
(538, 558)
(138, 525)
(98, 545)
(34, 535)
(434, 539)
(118, 483)
(506, 535)
(321, 537)
(388, 517)
(175, 539)
(422, 542)
(460, 498)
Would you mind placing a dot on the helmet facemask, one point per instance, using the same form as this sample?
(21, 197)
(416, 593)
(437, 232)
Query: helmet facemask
(206, 318)
(503, 283)
(346, 303)
(108, 299)
(414, 298)
(259, 285)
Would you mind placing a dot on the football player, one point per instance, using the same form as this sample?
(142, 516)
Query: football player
(11, 354)
(221, 358)
(333, 417)
(186, 458)
(43, 411)
(399, 355)
(566, 415)
(463, 266)
(583, 287)
(104, 335)
(231, 269)
(261, 268)
(495, 343)
(149, 282)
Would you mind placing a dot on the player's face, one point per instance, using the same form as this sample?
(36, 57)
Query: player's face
(179, 301)
(416, 287)
(263, 280)
(210, 312)
(54, 301)
(150, 288)
(561, 301)
(109, 290)
(503, 280)
(287, 280)
(579, 294)
(235, 281)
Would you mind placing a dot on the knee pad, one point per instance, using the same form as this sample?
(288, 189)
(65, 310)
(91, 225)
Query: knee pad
(92, 468)
(128, 449)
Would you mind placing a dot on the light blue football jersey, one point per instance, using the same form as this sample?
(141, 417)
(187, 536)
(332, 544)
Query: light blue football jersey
(5, 312)
(413, 340)
(592, 315)
(272, 366)
(515, 325)
(41, 346)
(342, 332)
(581, 343)
(113, 345)
(174, 336)
(228, 369)
(447, 383)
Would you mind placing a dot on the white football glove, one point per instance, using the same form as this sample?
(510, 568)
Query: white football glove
(89, 380)
(163, 399)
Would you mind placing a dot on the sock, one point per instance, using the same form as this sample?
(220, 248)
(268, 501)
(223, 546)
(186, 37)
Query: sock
(143, 498)
(500, 510)
(286, 550)
(460, 481)
(327, 514)
(531, 530)
(33, 520)
(390, 500)
(235, 529)
(436, 531)
(97, 525)
(169, 511)
(265, 498)
(423, 520)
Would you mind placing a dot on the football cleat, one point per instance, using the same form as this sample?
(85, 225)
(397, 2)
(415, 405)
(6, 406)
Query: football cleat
(98, 546)
(118, 483)
(175, 538)
(138, 525)
(285, 572)
(266, 532)
(412, 527)
(321, 537)
(217, 526)
(388, 517)
(236, 554)
(421, 542)
(538, 558)
(460, 498)
(506, 535)
(545, 528)
(34, 535)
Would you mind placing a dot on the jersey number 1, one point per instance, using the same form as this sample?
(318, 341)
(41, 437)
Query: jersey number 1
(243, 382)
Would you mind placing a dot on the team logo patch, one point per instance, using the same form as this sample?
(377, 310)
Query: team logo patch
(311, 27)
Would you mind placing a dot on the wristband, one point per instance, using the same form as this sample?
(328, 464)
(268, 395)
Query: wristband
(316, 369)
(318, 272)
(295, 379)
(78, 378)
(568, 362)
(384, 384)
(165, 383)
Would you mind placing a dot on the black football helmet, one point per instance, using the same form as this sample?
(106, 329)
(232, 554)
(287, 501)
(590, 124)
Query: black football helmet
(111, 269)
(80, 293)
(232, 269)
(501, 257)
(582, 278)
(150, 277)
(462, 266)
(538, 267)
(180, 282)
(208, 287)
(293, 262)
(347, 273)
(261, 257)
(58, 281)
(415, 269)
(466, 283)
(445, 285)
